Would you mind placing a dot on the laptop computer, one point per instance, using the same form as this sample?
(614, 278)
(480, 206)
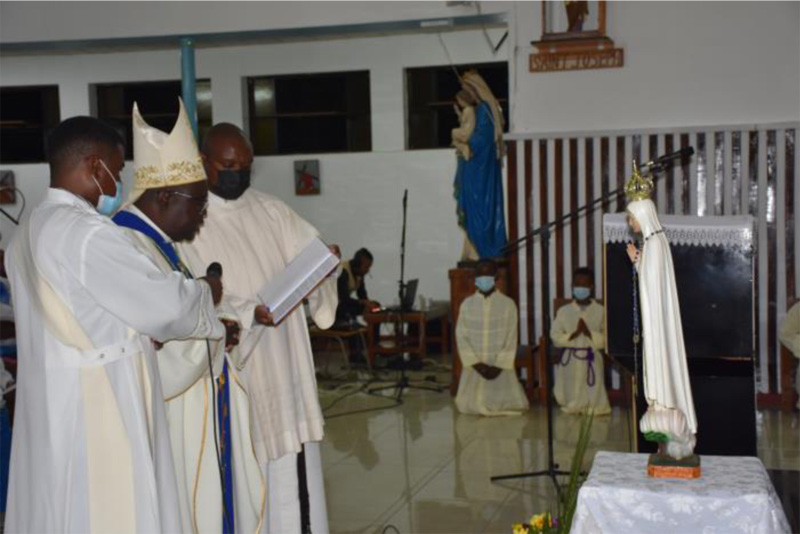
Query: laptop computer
(409, 296)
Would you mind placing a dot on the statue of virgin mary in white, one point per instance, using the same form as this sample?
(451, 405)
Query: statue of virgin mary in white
(670, 415)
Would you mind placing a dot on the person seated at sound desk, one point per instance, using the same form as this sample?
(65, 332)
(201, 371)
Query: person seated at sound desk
(578, 331)
(350, 282)
(354, 301)
(486, 334)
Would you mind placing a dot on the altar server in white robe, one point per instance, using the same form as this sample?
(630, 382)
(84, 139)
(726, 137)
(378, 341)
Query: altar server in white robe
(578, 331)
(486, 333)
(790, 337)
(91, 450)
(255, 236)
(171, 195)
(667, 389)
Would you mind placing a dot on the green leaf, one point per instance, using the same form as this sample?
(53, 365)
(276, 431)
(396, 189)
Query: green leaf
(658, 437)
(570, 497)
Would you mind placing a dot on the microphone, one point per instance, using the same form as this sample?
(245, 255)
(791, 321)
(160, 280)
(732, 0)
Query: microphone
(214, 270)
(666, 159)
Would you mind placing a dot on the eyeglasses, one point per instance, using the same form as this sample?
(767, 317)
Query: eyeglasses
(203, 199)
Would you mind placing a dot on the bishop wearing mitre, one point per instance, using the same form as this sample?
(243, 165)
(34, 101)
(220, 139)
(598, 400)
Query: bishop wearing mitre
(224, 493)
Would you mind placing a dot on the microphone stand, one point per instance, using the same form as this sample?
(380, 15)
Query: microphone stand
(544, 231)
(402, 384)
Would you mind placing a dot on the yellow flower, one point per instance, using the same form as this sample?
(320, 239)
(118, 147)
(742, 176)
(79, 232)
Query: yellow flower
(537, 521)
(519, 528)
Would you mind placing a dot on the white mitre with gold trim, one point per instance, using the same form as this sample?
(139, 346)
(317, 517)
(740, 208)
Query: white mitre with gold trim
(161, 160)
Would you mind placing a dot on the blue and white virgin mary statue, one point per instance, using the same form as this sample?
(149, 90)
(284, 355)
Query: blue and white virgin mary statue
(479, 182)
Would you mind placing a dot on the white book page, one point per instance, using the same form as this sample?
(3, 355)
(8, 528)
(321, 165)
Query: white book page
(303, 274)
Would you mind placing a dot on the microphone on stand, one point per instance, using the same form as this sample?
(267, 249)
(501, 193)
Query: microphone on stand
(214, 270)
(662, 162)
(403, 286)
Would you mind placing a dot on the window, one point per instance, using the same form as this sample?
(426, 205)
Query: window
(27, 114)
(158, 104)
(431, 93)
(310, 113)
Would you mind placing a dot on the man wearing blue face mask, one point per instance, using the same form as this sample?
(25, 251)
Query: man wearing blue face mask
(486, 334)
(578, 332)
(108, 204)
(91, 450)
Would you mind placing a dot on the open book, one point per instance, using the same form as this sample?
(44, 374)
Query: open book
(303, 274)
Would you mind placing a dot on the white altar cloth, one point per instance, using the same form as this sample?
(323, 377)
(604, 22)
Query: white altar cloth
(734, 495)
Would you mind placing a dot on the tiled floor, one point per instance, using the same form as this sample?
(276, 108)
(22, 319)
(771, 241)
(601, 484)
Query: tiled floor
(422, 467)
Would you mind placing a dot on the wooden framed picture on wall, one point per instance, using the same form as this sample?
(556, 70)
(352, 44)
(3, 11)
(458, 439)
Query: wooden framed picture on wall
(306, 177)
(574, 38)
(573, 20)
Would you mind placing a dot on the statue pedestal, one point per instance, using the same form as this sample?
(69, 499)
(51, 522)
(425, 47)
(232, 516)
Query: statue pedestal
(662, 466)
(462, 285)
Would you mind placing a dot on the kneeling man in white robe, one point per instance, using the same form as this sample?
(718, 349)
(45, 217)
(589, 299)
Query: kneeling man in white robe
(170, 198)
(578, 331)
(91, 449)
(486, 334)
(790, 337)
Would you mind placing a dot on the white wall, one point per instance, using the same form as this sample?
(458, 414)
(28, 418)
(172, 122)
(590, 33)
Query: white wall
(53, 21)
(361, 196)
(686, 64)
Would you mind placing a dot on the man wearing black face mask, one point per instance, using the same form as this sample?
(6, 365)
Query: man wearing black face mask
(254, 236)
(228, 159)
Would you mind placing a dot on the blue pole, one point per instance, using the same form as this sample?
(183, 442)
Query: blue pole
(188, 79)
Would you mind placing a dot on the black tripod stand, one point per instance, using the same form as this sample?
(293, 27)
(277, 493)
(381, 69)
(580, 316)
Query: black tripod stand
(552, 470)
(402, 383)
(544, 233)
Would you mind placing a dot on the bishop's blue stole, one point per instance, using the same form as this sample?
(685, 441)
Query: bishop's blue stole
(134, 222)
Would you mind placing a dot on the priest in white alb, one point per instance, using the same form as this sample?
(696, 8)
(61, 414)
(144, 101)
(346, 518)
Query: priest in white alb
(254, 236)
(578, 331)
(168, 205)
(91, 449)
(486, 334)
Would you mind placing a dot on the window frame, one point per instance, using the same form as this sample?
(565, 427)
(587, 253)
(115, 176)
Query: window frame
(126, 119)
(45, 127)
(447, 104)
(252, 118)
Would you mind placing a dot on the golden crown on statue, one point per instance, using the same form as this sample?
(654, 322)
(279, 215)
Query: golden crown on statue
(639, 187)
